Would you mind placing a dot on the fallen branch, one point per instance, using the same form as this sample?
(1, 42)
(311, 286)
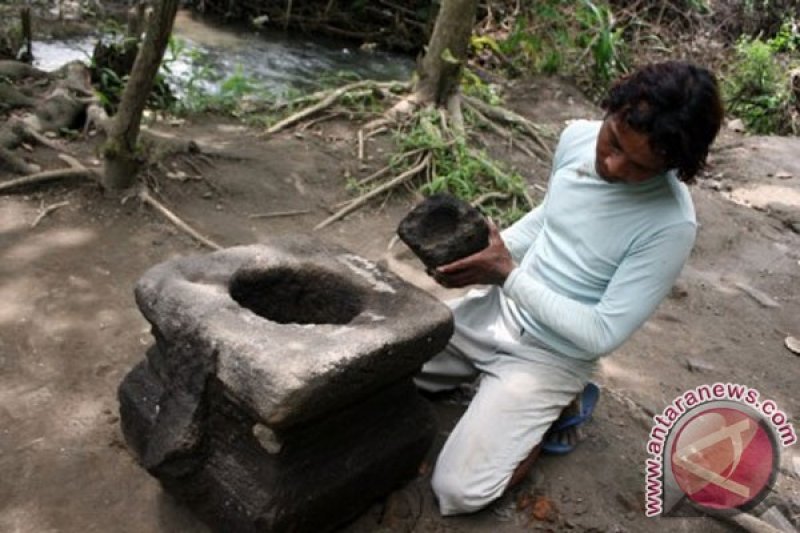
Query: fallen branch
(361, 200)
(279, 214)
(148, 199)
(46, 211)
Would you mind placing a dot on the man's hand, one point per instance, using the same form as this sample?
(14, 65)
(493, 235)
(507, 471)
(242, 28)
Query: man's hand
(490, 266)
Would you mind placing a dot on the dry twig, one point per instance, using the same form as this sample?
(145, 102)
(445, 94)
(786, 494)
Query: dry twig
(361, 200)
(375, 175)
(46, 211)
(482, 199)
(147, 198)
(279, 214)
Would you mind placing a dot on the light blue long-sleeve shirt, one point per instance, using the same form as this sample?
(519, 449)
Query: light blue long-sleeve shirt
(596, 258)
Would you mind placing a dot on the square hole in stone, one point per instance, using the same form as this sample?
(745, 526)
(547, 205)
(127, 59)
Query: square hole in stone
(302, 294)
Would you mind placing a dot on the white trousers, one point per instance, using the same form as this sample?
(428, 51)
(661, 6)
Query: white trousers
(523, 389)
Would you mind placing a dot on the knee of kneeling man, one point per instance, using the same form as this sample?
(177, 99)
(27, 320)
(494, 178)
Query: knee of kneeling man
(456, 496)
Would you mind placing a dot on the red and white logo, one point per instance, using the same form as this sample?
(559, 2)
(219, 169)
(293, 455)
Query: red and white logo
(723, 458)
(714, 448)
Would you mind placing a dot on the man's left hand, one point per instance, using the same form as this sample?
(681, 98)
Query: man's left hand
(490, 266)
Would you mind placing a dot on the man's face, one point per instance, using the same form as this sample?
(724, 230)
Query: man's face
(624, 155)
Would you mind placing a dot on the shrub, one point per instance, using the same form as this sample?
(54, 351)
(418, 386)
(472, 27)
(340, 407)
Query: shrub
(756, 91)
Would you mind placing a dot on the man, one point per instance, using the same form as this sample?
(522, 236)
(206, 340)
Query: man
(574, 278)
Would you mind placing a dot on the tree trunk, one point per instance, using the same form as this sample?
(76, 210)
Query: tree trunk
(27, 34)
(440, 71)
(121, 161)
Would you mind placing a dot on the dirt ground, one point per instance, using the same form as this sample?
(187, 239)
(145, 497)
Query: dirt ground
(70, 330)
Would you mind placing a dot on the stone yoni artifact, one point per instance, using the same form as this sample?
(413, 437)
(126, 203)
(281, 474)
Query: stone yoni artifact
(443, 229)
(278, 395)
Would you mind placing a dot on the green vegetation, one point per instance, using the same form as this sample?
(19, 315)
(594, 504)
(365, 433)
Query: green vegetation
(473, 85)
(591, 41)
(555, 36)
(788, 37)
(756, 88)
(459, 169)
(111, 64)
(204, 90)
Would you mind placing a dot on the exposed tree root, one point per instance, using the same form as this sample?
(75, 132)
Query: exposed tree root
(16, 70)
(29, 133)
(502, 132)
(57, 111)
(509, 117)
(76, 170)
(315, 96)
(326, 99)
(148, 199)
(482, 199)
(375, 175)
(363, 199)
(156, 142)
(445, 126)
(398, 112)
(15, 163)
(456, 116)
(11, 98)
(311, 123)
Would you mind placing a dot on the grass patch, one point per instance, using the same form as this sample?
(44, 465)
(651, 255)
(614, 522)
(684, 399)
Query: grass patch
(461, 170)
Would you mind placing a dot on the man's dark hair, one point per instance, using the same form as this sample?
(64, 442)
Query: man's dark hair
(677, 105)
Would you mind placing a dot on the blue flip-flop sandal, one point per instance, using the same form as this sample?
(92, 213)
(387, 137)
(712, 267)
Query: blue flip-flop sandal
(551, 444)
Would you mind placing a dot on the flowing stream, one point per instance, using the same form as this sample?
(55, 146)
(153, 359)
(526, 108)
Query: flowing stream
(276, 62)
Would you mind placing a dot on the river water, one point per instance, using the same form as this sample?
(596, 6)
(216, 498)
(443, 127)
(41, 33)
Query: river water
(276, 62)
